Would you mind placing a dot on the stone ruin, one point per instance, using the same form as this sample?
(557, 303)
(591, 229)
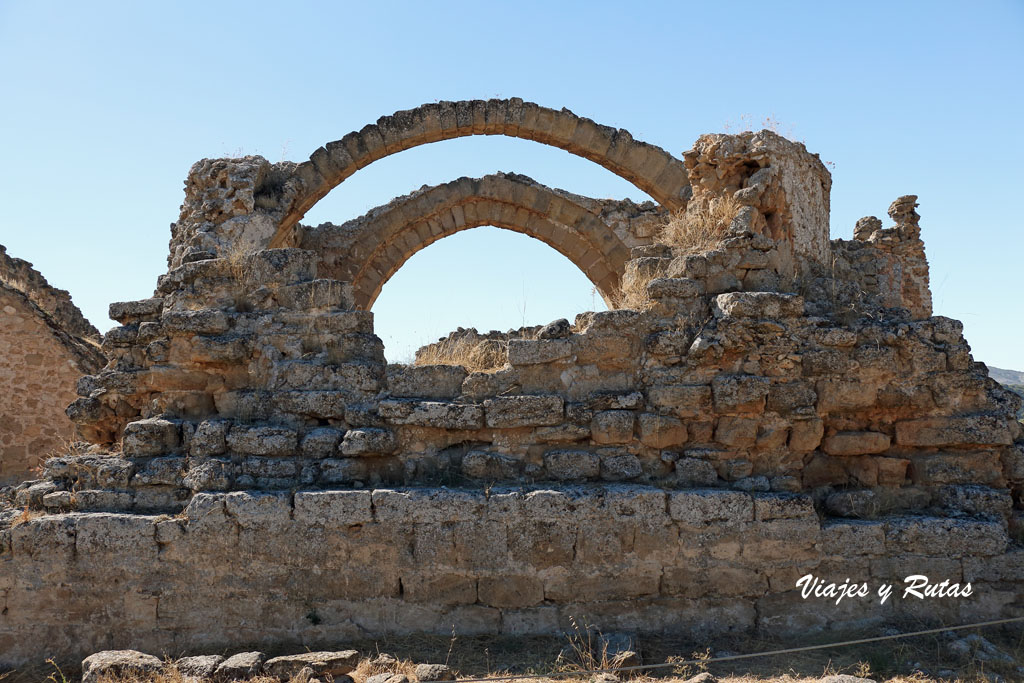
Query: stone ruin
(784, 404)
(45, 347)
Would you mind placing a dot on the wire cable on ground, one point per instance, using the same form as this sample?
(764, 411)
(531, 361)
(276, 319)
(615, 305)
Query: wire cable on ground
(750, 655)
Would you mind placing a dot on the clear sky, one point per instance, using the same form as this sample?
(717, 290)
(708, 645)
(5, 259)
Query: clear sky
(105, 106)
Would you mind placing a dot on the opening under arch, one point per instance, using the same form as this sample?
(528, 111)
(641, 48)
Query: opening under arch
(486, 278)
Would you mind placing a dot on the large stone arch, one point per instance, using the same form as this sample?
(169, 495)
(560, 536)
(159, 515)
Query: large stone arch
(650, 168)
(367, 251)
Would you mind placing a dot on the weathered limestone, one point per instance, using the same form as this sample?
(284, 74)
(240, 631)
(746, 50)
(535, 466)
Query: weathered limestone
(367, 251)
(514, 561)
(45, 346)
(673, 469)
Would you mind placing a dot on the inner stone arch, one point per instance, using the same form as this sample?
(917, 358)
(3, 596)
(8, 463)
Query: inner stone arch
(594, 235)
(650, 168)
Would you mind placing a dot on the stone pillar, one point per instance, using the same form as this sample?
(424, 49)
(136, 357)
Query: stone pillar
(785, 187)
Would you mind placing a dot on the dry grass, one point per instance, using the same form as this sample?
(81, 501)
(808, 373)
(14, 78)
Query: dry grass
(476, 355)
(632, 293)
(701, 227)
(698, 229)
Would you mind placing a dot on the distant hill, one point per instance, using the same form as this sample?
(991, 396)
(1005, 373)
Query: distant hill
(1012, 380)
(1006, 376)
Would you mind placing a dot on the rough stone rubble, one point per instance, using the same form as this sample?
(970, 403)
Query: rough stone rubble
(787, 404)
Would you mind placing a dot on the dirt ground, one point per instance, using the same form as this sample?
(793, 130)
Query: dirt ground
(916, 660)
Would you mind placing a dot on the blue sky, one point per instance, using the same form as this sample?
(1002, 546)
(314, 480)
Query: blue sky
(105, 106)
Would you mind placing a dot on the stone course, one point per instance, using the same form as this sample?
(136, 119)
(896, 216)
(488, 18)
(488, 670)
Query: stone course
(783, 406)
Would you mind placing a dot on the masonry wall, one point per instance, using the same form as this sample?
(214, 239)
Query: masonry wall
(781, 405)
(317, 567)
(38, 372)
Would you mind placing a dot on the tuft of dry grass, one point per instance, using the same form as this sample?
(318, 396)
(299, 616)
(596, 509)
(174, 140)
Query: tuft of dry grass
(382, 664)
(700, 227)
(476, 355)
(632, 293)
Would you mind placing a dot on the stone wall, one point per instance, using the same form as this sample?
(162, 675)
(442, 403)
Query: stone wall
(781, 404)
(317, 567)
(596, 235)
(45, 347)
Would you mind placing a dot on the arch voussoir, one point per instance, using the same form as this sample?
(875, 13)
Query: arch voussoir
(650, 168)
(369, 250)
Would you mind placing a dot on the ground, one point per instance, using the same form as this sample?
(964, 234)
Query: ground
(907, 660)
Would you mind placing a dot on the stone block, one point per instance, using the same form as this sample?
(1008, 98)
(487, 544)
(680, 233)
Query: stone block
(333, 508)
(540, 543)
(439, 588)
(491, 466)
(660, 431)
(321, 442)
(153, 436)
(739, 393)
(805, 435)
(710, 507)
(132, 312)
(681, 400)
(204, 321)
(856, 443)
(317, 295)
(210, 438)
(976, 501)
(695, 472)
(368, 441)
(980, 430)
(435, 506)
(334, 664)
(675, 288)
(270, 467)
(945, 537)
(757, 305)
(524, 411)
(322, 405)
(791, 397)
(283, 266)
(262, 440)
(619, 466)
(957, 468)
(425, 381)
(344, 470)
(853, 537)
(736, 432)
(567, 465)
(166, 471)
(612, 426)
(771, 506)
(243, 665)
(442, 415)
(510, 591)
(118, 663)
(535, 351)
(843, 395)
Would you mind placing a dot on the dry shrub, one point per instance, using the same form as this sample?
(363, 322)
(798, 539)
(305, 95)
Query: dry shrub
(476, 355)
(380, 665)
(701, 227)
(632, 294)
(697, 230)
